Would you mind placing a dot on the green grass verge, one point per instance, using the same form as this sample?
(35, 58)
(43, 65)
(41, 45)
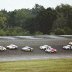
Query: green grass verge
(50, 65)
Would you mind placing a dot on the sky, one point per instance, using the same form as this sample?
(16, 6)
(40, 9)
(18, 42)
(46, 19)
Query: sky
(11, 5)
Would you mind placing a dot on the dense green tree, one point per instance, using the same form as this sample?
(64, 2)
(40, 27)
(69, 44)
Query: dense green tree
(37, 8)
(45, 19)
(3, 19)
(21, 16)
(64, 16)
(11, 19)
(37, 20)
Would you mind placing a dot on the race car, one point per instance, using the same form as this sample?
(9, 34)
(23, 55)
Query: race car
(2, 48)
(12, 46)
(27, 48)
(67, 47)
(51, 50)
(70, 43)
(44, 47)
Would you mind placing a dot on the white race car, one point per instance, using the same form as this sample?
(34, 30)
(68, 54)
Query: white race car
(70, 43)
(12, 46)
(51, 50)
(2, 48)
(67, 47)
(27, 48)
(44, 47)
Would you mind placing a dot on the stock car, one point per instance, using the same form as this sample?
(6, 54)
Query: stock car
(50, 50)
(2, 48)
(27, 48)
(12, 46)
(70, 43)
(67, 47)
(44, 47)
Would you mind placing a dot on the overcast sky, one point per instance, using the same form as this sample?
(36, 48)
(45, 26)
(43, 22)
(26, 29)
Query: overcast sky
(11, 5)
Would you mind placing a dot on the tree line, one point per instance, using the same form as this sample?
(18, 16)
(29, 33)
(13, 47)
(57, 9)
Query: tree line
(38, 20)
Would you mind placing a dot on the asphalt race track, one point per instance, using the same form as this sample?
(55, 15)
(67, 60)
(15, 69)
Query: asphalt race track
(18, 54)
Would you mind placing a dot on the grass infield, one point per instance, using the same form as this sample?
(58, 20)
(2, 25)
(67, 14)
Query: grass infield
(50, 65)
